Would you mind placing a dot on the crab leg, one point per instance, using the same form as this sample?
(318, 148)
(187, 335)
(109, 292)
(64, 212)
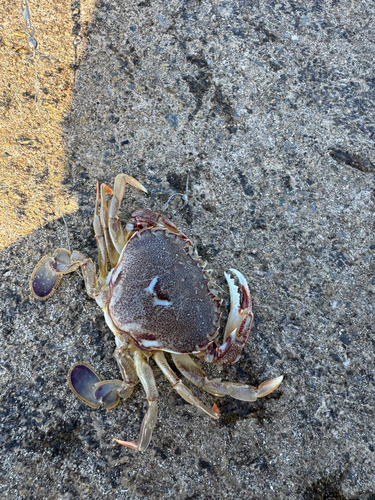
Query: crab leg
(83, 380)
(244, 392)
(147, 379)
(179, 387)
(123, 388)
(88, 386)
(100, 238)
(47, 274)
(115, 229)
(238, 326)
(128, 370)
(112, 253)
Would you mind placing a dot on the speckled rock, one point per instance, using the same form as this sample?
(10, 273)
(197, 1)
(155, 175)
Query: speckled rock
(268, 109)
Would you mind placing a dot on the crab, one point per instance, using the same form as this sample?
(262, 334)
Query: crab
(157, 298)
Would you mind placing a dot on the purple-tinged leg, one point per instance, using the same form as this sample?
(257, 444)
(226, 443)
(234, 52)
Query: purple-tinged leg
(83, 381)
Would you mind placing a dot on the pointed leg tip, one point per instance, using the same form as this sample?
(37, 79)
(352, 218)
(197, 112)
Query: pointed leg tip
(275, 382)
(129, 444)
(216, 410)
(142, 188)
(133, 182)
(269, 386)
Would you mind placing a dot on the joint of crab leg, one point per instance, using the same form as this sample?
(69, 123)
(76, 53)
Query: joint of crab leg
(180, 388)
(107, 190)
(196, 375)
(188, 396)
(147, 379)
(230, 351)
(245, 392)
(62, 262)
(115, 229)
(47, 273)
(106, 387)
(148, 424)
(112, 252)
(120, 184)
(216, 388)
(89, 272)
(126, 365)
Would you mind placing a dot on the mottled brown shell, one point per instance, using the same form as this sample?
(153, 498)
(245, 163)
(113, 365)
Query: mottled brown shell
(160, 295)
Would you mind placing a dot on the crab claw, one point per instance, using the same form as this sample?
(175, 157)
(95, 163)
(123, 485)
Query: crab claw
(83, 381)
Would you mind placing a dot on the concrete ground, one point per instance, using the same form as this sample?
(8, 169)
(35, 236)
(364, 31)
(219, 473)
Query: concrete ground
(268, 109)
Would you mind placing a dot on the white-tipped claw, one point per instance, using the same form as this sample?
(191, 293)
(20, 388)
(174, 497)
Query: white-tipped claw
(240, 276)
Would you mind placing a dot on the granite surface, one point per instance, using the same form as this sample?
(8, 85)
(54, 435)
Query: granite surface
(267, 109)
